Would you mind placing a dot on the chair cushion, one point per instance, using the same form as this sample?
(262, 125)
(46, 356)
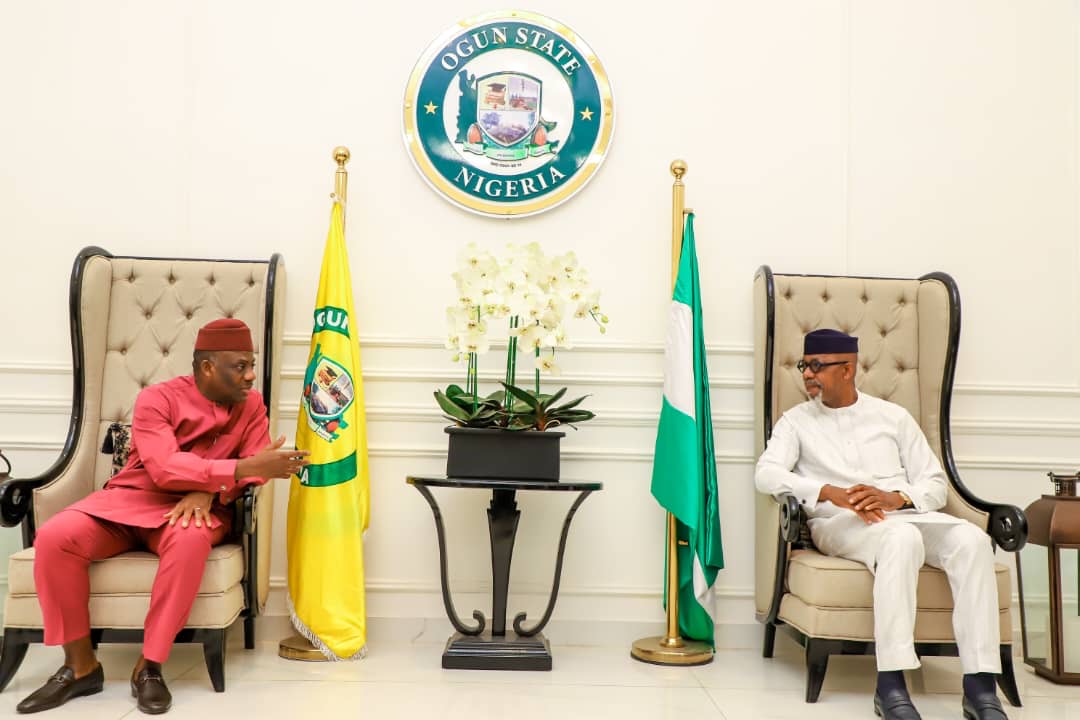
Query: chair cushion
(133, 573)
(832, 582)
(931, 626)
(128, 612)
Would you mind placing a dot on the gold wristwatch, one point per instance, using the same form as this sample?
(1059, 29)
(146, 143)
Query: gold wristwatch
(907, 501)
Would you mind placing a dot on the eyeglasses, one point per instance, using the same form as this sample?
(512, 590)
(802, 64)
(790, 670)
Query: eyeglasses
(816, 365)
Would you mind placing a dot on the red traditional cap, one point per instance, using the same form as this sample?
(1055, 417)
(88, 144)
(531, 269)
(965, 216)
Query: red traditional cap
(225, 334)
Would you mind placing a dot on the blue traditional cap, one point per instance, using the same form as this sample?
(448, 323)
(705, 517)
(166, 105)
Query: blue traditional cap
(829, 342)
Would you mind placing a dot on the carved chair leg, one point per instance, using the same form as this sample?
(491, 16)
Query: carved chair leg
(1006, 680)
(817, 662)
(11, 655)
(770, 640)
(249, 633)
(213, 642)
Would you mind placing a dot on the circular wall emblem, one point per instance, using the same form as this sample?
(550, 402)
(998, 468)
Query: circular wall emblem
(508, 114)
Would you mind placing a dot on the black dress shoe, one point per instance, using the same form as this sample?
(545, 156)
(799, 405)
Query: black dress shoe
(895, 705)
(60, 688)
(983, 707)
(148, 688)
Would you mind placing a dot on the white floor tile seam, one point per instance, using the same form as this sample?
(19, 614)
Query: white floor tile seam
(241, 684)
(715, 704)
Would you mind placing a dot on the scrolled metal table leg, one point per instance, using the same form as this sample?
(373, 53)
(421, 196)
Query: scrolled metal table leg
(444, 578)
(519, 619)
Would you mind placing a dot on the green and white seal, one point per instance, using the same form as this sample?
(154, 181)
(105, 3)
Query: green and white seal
(508, 114)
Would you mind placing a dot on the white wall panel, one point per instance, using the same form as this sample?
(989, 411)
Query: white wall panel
(963, 159)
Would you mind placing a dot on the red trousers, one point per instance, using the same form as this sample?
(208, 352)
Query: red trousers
(68, 542)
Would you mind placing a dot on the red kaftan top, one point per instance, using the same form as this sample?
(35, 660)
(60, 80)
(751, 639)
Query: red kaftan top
(181, 442)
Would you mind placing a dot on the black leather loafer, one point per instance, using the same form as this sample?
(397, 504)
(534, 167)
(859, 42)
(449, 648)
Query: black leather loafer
(895, 705)
(149, 690)
(60, 688)
(983, 707)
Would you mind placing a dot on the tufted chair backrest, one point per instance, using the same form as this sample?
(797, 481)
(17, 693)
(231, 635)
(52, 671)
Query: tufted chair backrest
(882, 313)
(908, 332)
(134, 322)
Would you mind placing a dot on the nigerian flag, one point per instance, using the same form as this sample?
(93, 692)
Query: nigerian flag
(329, 501)
(684, 466)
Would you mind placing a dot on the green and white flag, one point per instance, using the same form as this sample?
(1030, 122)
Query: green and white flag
(684, 466)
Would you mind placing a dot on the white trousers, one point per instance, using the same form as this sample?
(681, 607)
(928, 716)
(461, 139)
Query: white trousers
(894, 550)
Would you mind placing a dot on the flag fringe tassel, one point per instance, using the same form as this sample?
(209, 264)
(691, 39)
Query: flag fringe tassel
(314, 639)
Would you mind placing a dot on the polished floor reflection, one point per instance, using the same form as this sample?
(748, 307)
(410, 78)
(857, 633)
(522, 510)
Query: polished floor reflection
(594, 677)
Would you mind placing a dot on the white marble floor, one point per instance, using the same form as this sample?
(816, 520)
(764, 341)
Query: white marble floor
(593, 677)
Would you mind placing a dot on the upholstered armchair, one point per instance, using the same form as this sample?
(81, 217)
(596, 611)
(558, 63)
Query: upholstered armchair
(133, 323)
(908, 331)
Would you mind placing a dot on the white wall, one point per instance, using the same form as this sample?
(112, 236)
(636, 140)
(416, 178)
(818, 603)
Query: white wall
(830, 136)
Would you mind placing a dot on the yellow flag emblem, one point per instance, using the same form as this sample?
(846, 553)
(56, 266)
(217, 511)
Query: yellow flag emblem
(330, 501)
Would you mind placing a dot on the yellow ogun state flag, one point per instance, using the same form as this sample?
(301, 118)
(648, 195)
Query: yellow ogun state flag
(329, 502)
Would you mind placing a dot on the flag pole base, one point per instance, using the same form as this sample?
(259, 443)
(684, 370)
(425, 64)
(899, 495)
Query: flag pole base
(659, 650)
(297, 647)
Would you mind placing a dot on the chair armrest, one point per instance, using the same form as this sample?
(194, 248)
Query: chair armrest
(1008, 527)
(244, 521)
(16, 496)
(246, 518)
(1007, 524)
(792, 518)
(793, 530)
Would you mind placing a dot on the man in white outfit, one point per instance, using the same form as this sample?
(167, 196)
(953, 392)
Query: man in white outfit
(870, 484)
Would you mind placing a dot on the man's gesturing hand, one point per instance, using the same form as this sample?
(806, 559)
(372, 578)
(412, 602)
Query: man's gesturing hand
(193, 505)
(272, 462)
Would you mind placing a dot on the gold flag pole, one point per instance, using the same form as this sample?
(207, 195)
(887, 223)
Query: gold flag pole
(296, 646)
(670, 649)
(341, 177)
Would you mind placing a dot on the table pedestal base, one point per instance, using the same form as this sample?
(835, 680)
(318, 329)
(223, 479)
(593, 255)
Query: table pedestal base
(507, 652)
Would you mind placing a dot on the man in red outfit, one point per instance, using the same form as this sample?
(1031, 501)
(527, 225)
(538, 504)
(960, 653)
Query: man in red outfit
(197, 442)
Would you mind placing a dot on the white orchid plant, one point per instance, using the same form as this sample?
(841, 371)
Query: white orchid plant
(532, 296)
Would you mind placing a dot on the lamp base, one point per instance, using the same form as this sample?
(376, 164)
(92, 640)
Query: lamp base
(657, 651)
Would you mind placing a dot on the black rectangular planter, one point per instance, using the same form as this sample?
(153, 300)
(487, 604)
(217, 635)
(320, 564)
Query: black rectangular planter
(495, 454)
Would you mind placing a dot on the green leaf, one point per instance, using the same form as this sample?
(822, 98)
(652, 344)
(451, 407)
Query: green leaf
(575, 416)
(451, 408)
(553, 399)
(524, 396)
(572, 403)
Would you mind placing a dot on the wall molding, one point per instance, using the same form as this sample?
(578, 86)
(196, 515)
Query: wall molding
(447, 374)
(377, 585)
(1071, 391)
(35, 406)
(599, 454)
(607, 417)
(604, 417)
(34, 368)
(441, 376)
(437, 343)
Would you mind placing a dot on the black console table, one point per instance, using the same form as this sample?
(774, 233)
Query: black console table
(478, 647)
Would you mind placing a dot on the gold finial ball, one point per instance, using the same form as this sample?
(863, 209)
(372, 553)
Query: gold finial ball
(341, 154)
(678, 168)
